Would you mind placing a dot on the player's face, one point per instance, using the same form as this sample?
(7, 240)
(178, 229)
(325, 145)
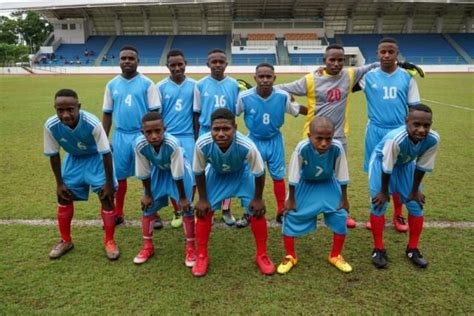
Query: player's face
(177, 66)
(321, 139)
(217, 62)
(334, 61)
(265, 77)
(387, 54)
(154, 132)
(128, 61)
(223, 132)
(418, 125)
(67, 109)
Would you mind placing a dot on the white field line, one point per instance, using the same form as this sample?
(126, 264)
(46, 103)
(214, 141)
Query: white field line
(218, 223)
(447, 104)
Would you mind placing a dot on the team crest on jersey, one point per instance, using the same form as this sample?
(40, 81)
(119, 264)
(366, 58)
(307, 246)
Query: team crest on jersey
(115, 92)
(81, 146)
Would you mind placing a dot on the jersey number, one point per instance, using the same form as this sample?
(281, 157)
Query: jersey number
(178, 105)
(334, 95)
(266, 118)
(128, 100)
(319, 170)
(225, 167)
(220, 101)
(389, 93)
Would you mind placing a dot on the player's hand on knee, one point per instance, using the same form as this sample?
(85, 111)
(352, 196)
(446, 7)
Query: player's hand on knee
(184, 205)
(63, 193)
(344, 204)
(418, 197)
(290, 205)
(379, 200)
(257, 206)
(202, 207)
(146, 201)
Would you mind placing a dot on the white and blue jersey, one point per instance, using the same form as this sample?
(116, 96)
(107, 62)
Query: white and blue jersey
(317, 179)
(128, 101)
(398, 156)
(210, 95)
(229, 174)
(85, 144)
(388, 98)
(176, 102)
(264, 118)
(164, 168)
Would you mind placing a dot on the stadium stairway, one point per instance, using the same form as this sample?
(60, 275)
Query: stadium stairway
(166, 49)
(458, 48)
(104, 50)
(282, 52)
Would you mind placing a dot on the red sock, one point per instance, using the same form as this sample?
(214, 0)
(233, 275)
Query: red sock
(337, 244)
(189, 230)
(378, 224)
(65, 214)
(415, 224)
(175, 205)
(397, 205)
(260, 233)
(226, 204)
(147, 230)
(120, 197)
(203, 230)
(280, 193)
(289, 243)
(108, 217)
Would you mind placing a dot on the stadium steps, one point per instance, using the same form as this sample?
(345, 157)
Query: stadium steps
(166, 49)
(282, 53)
(228, 48)
(458, 48)
(104, 50)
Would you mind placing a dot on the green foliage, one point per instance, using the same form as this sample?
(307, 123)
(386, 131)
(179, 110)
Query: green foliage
(10, 54)
(8, 30)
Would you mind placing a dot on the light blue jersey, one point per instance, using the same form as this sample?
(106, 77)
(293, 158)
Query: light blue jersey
(388, 96)
(265, 117)
(129, 101)
(176, 101)
(210, 95)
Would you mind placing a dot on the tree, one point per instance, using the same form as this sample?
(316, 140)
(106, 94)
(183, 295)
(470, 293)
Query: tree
(33, 28)
(10, 54)
(8, 30)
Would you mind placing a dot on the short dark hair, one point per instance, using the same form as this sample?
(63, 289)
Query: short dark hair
(420, 107)
(66, 93)
(175, 52)
(388, 40)
(265, 65)
(215, 50)
(128, 47)
(334, 46)
(224, 114)
(152, 116)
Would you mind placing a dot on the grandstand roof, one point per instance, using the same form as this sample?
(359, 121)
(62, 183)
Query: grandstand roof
(220, 13)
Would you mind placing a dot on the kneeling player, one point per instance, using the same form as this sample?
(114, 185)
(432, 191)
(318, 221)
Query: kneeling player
(318, 178)
(160, 164)
(88, 164)
(393, 168)
(234, 169)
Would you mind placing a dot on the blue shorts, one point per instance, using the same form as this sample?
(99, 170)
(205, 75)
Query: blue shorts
(187, 143)
(123, 151)
(401, 181)
(82, 173)
(313, 198)
(221, 186)
(373, 135)
(163, 186)
(273, 153)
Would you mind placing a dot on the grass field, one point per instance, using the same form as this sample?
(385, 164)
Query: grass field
(30, 283)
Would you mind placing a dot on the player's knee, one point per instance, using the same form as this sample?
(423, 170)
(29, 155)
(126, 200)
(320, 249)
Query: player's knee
(107, 205)
(414, 208)
(62, 201)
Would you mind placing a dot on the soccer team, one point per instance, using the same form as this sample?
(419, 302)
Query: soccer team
(181, 135)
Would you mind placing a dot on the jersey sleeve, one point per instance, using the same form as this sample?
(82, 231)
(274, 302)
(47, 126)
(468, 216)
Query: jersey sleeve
(341, 168)
(239, 107)
(362, 83)
(413, 96)
(103, 145)
(390, 152)
(51, 145)
(255, 161)
(160, 99)
(297, 87)
(197, 100)
(199, 161)
(153, 98)
(177, 164)
(142, 165)
(426, 161)
(294, 168)
(292, 108)
(108, 104)
(359, 72)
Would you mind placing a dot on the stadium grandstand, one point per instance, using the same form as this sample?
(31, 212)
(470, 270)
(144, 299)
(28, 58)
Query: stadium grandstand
(90, 33)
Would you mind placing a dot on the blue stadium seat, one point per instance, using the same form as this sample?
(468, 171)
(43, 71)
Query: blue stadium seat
(149, 48)
(367, 44)
(73, 52)
(196, 47)
(306, 59)
(253, 59)
(466, 41)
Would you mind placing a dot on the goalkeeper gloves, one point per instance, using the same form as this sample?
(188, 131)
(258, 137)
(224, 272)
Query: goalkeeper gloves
(411, 68)
(244, 85)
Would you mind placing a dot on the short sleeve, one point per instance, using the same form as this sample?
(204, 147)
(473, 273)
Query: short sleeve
(103, 145)
(142, 165)
(239, 107)
(413, 97)
(108, 104)
(292, 108)
(197, 100)
(426, 161)
(294, 168)
(341, 168)
(390, 152)
(51, 146)
(153, 98)
(199, 161)
(177, 164)
(255, 161)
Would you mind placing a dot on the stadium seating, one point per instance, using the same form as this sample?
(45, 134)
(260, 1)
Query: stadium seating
(196, 47)
(466, 41)
(367, 44)
(253, 59)
(150, 49)
(70, 54)
(306, 59)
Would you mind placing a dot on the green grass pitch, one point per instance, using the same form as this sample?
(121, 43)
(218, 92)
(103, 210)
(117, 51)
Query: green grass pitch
(84, 282)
